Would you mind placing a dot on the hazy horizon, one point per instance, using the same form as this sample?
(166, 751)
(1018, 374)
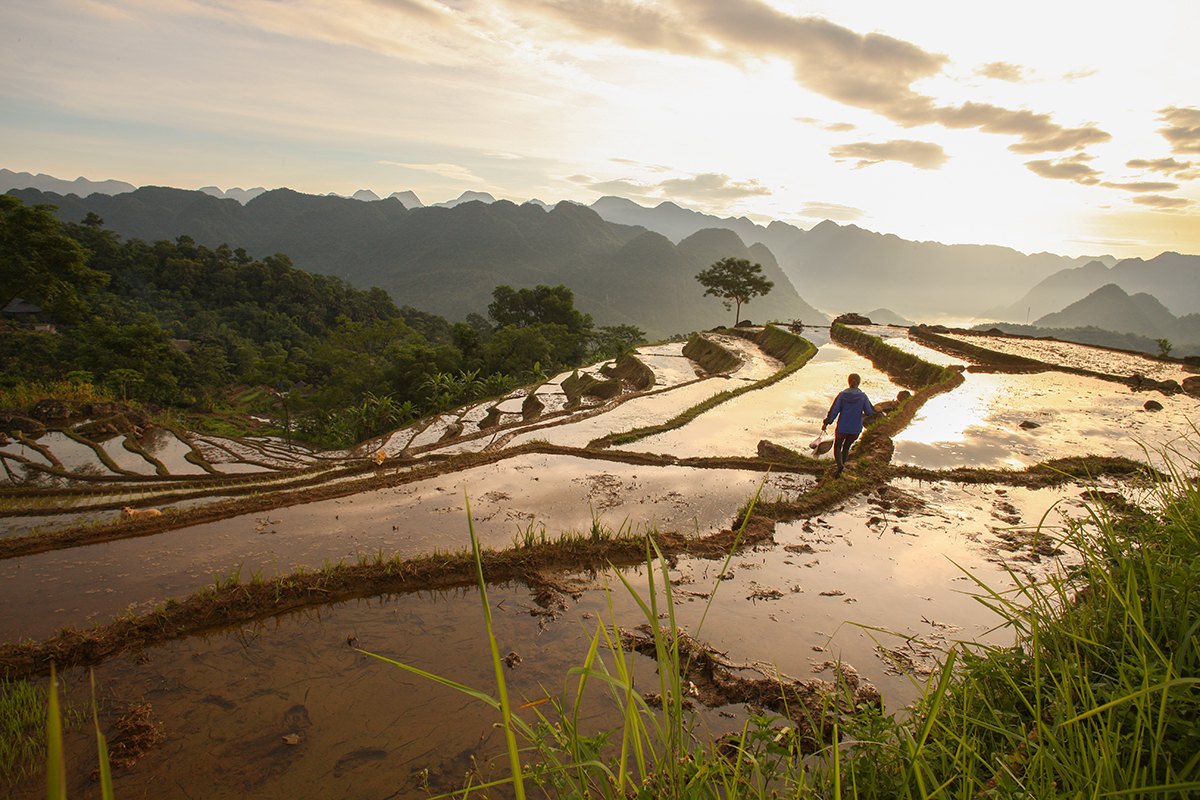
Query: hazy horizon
(1039, 128)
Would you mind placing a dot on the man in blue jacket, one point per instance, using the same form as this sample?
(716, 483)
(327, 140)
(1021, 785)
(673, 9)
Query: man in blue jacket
(849, 408)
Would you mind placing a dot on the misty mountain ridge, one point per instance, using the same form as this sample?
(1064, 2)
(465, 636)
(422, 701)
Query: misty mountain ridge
(47, 183)
(447, 260)
(1111, 308)
(848, 268)
(883, 316)
(1169, 276)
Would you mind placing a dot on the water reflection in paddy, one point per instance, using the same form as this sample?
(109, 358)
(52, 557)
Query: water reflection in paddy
(534, 493)
(364, 728)
(788, 413)
(978, 424)
(637, 412)
(226, 701)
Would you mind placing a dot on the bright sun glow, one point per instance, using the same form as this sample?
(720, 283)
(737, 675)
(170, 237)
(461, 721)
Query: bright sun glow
(915, 119)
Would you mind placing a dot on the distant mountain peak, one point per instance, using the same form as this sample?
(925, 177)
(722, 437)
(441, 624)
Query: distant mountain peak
(47, 183)
(467, 197)
(407, 198)
(366, 195)
(1112, 308)
(243, 196)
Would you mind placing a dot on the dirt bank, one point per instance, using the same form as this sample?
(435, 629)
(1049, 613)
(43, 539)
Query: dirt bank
(237, 603)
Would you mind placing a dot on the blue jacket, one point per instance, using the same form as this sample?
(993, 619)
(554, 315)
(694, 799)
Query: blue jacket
(850, 406)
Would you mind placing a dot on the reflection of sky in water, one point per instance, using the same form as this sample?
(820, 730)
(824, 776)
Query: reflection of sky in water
(924, 353)
(899, 573)
(669, 370)
(978, 424)
(1069, 354)
(126, 459)
(40, 593)
(787, 413)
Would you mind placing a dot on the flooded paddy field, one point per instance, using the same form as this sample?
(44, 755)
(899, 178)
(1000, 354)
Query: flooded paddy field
(523, 496)
(788, 413)
(1006, 420)
(284, 705)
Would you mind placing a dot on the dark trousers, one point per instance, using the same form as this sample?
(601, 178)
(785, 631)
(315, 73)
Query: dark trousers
(841, 447)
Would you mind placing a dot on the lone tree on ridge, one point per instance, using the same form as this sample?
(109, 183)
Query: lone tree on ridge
(734, 280)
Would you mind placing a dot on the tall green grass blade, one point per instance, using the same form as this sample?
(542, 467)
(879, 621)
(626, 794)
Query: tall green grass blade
(467, 690)
(56, 769)
(514, 754)
(1161, 687)
(106, 785)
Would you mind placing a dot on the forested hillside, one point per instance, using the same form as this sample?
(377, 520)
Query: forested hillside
(448, 260)
(176, 324)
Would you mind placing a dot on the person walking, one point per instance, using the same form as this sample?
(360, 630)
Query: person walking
(849, 408)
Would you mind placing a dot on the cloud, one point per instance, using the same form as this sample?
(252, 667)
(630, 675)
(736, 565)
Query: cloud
(620, 186)
(1002, 71)
(1039, 134)
(1072, 168)
(922, 155)
(1162, 201)
(703, 188)
(1143, 186)
(712, 186)
(1183, 129)
(871, 71)
(833, 211)
(643, 165)
(1179, 170)
(835, 127)
(632, 24)
(453, 171)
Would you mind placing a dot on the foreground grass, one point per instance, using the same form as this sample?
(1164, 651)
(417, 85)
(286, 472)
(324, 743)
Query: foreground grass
(1099, 696)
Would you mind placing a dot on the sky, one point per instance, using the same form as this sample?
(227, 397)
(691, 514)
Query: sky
(1044, 126)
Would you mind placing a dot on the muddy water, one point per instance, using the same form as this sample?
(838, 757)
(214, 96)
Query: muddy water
(638, 412)
(1090, 358)
(363, 728)
(526, 495)
(800, 603)
(367, 729)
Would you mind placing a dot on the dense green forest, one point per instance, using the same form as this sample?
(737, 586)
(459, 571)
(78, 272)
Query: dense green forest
(178, 325)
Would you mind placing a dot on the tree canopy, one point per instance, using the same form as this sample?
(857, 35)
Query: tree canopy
(734, 280)
(178, 324)
(39, 262)
(544, 304)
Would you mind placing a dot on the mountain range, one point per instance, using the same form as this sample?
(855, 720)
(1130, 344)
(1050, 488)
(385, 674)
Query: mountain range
(447, 268)
(1140, 314)
(447, 260)
(1172, 278)
(847, 268)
